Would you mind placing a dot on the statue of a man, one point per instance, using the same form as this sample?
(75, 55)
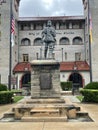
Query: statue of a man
(48, 37)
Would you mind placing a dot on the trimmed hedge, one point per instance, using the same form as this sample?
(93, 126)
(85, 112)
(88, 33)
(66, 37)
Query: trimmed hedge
(93, 85)
(17, 92)
(3, 87)
(89, 95)
(66, 86)
(6, 97)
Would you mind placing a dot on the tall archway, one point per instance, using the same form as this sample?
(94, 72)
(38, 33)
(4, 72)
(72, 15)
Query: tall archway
(76, 79)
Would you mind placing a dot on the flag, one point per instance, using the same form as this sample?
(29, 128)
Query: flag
(90, 24)
(12, 30)
(12, 25)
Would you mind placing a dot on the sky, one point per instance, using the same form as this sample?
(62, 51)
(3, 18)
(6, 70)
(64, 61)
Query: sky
(36, 8)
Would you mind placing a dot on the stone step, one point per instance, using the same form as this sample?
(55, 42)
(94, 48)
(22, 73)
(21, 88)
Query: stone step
(46, 101)
(42, 119)
(79, 113)
(60, 105)
(78, 108)
(64, 93)
(9, 114)
(45, 110)
(74, 107)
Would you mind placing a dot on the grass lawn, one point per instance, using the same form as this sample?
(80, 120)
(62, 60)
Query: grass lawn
(17, 98)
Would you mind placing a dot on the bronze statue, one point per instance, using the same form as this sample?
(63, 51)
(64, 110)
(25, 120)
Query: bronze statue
(48, 37)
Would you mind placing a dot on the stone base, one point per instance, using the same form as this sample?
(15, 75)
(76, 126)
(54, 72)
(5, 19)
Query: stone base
(48, 110)
(45, 94)
(41, 110)
(45, 79)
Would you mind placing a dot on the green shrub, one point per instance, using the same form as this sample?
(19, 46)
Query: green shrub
(66, 86)
(89, 95)
(93, 85)
(6, 97)
(3, 87)
(17, 92)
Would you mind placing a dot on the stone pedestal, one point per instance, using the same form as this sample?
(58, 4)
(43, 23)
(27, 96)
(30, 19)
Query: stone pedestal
(45, 79)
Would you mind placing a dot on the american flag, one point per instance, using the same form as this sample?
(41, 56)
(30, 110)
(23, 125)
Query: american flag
(13, 25)
(12, 30)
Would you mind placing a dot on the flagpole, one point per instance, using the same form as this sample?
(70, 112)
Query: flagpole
(90, 53)
(10, 48)
(90, 58)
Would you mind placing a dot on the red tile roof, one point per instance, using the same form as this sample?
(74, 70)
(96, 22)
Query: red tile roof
(69, 66)
(22, 67)
(82, 65)
(64, 66)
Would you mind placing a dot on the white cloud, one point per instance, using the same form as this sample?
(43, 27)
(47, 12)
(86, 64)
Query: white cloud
(30, 8)
(47, 4)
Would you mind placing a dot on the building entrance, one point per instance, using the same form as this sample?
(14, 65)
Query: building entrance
(26, 79)
(76, 79)
(26, 84)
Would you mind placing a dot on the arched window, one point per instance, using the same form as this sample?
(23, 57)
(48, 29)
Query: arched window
(38, 42)
(64, 41)
(25, 42)
(77, 41)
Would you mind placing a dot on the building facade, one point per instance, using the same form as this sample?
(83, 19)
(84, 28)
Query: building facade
(8, 9)
(77, 57)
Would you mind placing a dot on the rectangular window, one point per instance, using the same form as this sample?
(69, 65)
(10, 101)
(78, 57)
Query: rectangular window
(2, 1)
(25, 57)
(65, 55)
(87, 55)
(25, 26)
(77, 56)
(62, 25)
(53, 55)
(75, 25)
(15, 56)
(39, 26)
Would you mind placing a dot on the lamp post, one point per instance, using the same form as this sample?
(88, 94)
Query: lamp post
(74, 84)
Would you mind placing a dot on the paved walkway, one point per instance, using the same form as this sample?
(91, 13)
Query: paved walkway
(92, 109)
(73, 99)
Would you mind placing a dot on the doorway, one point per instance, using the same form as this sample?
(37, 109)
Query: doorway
(76, 79)
(26, 80)
(26, 84)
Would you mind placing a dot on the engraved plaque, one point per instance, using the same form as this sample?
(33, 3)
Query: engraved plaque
(45, 81)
